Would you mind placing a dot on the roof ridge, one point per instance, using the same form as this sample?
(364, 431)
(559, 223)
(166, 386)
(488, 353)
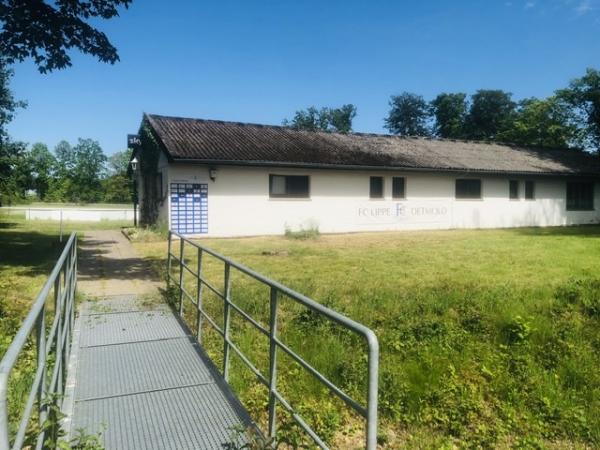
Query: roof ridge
(284, 127)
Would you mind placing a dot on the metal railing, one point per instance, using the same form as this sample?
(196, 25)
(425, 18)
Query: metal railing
(368, 411)
(52, 347)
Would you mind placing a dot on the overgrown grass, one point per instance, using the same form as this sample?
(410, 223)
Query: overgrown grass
(28, 252)
(153, 233)
(489, 338)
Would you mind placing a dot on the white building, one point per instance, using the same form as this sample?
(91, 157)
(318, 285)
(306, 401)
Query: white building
(214, 178)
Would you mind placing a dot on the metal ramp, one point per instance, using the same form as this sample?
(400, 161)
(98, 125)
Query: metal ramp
(140, 380)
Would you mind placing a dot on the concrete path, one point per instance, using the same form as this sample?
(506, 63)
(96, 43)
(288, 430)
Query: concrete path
(108, 265)
(136, 374)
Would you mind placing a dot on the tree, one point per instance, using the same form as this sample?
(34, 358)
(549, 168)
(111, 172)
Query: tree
(66, 158)
(79, 170)
(409, 115)
(324, 119)
(8, 104)
(43, 167)
(542, 123)
(450, 113)
(118, 162)
(117, 186)
(340, 119)
(60, 187)
(89, 169)
(45, 31)
(15, 178)
(490, 114)
(117, 189)
(583, 95)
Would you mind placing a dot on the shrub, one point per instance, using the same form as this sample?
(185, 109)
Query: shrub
(302, 233)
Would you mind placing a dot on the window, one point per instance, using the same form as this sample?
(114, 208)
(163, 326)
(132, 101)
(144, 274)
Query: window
(468, 189)
(291, 186)
(398, 187)
(513, 189)
(376, 187)
(529, 190)
(580, 196)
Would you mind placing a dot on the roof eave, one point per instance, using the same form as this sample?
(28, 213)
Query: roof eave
(304, 165)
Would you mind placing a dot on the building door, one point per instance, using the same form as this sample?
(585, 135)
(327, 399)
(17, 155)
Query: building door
(189, 208)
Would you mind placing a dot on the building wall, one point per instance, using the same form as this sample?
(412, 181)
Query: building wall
(239, 203)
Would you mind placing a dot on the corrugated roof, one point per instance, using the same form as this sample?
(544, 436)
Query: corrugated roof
(215, 141)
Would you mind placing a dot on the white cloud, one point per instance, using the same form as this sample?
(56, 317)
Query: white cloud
(530, 4)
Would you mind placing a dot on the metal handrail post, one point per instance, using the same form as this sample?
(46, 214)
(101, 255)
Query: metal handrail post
(226, 319)
(58, 335)
(41, 361)
(273, 362)
(169, 259)
(372, 391)
(181, 262)
(73, 283)
(199, 297)
(4, 443)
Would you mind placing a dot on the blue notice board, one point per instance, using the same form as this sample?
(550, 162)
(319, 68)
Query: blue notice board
(189, 208)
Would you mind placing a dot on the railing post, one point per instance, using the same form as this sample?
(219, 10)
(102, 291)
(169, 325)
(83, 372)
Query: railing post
(67, 310)
(181, 262)
(169, 259)
(4, 443)
(273, 363)
(199, 297)
(226, 317)
(41, 361)
(73, 283)
(372, 393)
(58, 335)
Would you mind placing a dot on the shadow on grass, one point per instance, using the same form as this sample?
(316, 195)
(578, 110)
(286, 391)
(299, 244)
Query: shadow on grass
(29, 248)
(8, 224)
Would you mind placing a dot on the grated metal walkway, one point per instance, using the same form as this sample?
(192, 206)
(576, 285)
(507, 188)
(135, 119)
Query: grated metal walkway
(137, 377)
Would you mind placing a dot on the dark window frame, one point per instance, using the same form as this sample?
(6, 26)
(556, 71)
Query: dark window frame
(459, 192)
(516, 193)
(574, 200)
(382, 188)
(288, 186)
(394, 190)
(529, 190)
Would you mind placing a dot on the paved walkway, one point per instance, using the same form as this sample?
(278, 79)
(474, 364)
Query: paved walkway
(136, 374)
(108, 265)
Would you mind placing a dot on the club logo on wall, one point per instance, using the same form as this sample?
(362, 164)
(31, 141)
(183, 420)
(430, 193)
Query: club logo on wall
(392, 212)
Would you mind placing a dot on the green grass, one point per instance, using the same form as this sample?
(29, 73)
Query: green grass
(489, 338)
(28, 252)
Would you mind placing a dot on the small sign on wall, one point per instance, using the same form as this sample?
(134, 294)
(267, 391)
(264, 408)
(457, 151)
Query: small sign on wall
(133, 140)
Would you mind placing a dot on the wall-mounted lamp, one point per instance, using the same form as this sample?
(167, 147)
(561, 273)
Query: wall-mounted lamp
(212, 173)
(134, 163)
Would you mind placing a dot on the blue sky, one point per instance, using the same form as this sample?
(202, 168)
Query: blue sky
(260, 61)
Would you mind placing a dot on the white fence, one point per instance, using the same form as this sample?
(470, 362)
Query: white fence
(74, 214)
